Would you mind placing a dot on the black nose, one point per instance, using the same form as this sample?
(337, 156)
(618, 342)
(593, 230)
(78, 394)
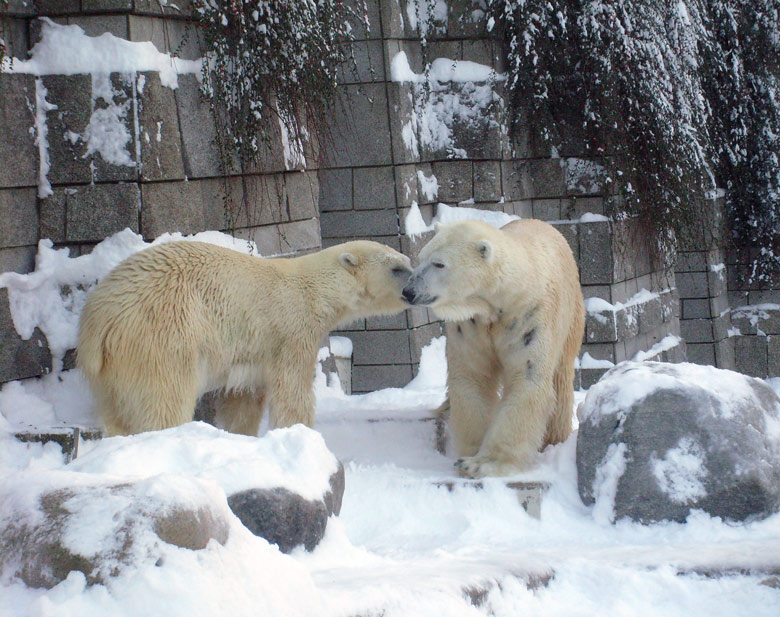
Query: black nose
(409, 295)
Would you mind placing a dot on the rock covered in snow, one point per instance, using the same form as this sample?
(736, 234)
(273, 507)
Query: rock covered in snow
(56, 523)
(131, 501)
(658, 440)
(285, 518)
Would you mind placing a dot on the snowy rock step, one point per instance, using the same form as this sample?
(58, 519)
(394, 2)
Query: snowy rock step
(67, 437)
(529, 494)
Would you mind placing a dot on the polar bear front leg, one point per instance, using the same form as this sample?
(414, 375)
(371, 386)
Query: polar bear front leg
(516, 433)
(472, 384)
(291, 397)
(241, 412)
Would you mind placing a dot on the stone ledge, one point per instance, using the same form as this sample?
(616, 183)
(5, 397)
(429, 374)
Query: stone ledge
(67, 438)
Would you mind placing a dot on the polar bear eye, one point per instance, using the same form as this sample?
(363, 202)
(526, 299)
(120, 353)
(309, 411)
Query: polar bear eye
(438, 264)
(399, 270)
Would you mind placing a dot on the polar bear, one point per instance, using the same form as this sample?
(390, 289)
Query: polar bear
(514, 317)
(183, 318)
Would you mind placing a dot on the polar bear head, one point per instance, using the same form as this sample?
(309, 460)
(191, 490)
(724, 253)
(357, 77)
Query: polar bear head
(377, 276)
(457, 271)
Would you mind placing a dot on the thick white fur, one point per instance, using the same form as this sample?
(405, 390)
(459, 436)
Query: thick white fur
(183, 318)
(514, 310)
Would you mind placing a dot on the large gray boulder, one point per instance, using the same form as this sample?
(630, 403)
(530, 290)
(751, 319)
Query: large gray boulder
(52, 524)
(285, 518)
(658, 440)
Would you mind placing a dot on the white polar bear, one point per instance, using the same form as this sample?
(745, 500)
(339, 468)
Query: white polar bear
(515, 317)
(184, 318)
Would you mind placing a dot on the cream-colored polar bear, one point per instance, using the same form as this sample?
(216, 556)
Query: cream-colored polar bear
(184, 318)
(514, 311)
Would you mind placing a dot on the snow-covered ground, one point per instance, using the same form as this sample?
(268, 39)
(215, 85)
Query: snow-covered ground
(405, 545)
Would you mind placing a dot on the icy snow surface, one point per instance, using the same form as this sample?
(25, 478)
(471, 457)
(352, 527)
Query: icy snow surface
(403, 544)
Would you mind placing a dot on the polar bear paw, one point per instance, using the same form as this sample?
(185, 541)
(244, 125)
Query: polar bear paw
(476, 467)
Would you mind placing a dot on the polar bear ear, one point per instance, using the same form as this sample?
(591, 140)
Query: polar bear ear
(485, 249)
(349, 261)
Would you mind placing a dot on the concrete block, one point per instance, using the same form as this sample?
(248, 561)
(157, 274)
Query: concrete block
(381, 347)
(95, 25)
(200, 153)
(578, 206)
(66, 125)
(254, 200)
(601, 327)
(373, 188)
(600, 351)
(187, 207)
(692, 284)
(595, 253)
(487, 180)
(598, 291)
(697, 330)
(547, 209)
(19, 259)
(764, 296)
(695, 308)
(302, 188)
(362, 223)
(455, 180)
(523, 208)
(167, 35)
(701, 353)
(19, 216)
(387, 322)
(18, 7)
(96, 211)
(695, 261)
(300, 236)
(356, 115)
(773, 356)
(583, 176)
(20, 359)
(420, 337)
(750, 355)
(266, 238)
(57, 7)
(366, 64)
(111, 166)
(590, 376)
(417, 316)
(404, 137)
(335, 189)
(18, 152)
(744, 322)
(650, 315)
(359, 30)
(370, 378)
(161, 155)
(105, 6)
(627, 322)
(571, 233)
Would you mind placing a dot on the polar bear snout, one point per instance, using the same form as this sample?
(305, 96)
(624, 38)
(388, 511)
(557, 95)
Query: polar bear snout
(415, 293)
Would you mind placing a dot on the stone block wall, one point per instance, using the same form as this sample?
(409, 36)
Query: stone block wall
(369, 183)
(166, 177)
(755, 317)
